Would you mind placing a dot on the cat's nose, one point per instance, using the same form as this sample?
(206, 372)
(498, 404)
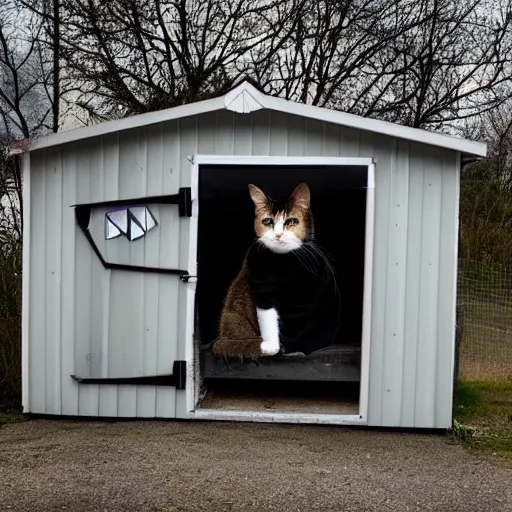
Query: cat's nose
(278, 235)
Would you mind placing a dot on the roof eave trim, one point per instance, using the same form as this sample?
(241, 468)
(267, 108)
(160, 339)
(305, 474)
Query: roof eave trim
(374, 125)
(245, 98)
(126, 123)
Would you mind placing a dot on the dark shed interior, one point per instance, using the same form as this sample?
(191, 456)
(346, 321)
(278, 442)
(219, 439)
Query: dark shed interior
(226, 213)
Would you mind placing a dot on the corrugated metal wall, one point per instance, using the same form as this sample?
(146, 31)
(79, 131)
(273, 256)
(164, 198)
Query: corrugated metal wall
(72, 296)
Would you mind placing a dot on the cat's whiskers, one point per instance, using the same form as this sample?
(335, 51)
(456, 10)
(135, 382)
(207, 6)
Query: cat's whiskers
(304, 258)
(319, 255)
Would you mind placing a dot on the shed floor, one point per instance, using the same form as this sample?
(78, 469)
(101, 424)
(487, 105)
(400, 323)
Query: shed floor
(303, 397)
(334, 363)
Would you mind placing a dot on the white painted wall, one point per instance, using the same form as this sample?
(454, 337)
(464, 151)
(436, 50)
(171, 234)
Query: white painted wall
(71, 294)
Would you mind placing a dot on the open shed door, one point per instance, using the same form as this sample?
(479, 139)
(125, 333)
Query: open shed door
(135, 308)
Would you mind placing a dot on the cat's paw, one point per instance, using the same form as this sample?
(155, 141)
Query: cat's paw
(269, 348)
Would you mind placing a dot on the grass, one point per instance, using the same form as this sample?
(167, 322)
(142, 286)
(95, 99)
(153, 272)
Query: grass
(486, 346)
(483, 417)
(11, 417)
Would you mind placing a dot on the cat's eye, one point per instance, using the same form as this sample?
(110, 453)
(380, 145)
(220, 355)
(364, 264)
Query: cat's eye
(267, 222)
(292, 221)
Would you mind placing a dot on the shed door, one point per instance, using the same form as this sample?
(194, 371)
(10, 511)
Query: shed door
(139, 305)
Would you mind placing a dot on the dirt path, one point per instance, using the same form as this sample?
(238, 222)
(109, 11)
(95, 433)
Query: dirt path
(157, 467)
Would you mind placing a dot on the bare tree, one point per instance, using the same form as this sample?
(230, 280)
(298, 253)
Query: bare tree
(131, 56)
(425, 63)
(498, 124)
(337, 51)
(25, 111)
(486, 193)
(25, 104)
(453, 66)
(11, 199)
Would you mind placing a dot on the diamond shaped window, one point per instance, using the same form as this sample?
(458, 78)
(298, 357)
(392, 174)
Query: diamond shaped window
(132, 222)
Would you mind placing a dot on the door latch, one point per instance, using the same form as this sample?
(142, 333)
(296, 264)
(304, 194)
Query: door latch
(187, 278)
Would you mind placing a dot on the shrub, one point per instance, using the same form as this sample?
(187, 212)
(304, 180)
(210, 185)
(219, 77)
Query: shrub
(10, 322)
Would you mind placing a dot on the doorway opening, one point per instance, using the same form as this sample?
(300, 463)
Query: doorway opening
(327, 381)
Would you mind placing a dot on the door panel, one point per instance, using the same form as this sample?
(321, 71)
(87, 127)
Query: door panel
(138, 276)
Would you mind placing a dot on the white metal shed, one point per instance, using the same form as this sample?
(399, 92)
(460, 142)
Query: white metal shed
(101, 315)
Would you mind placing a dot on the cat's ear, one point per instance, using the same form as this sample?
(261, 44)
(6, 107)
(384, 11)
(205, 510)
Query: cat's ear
(301, 196)
(258, 196)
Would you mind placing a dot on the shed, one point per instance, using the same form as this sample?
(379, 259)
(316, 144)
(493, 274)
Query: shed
(118, 215)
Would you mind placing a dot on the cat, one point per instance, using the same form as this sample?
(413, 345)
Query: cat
(284, 300)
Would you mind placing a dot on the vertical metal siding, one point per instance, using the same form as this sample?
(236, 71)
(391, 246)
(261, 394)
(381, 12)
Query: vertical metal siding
(189, 143)
(447, 283)
(412, 324)
(37, 327)
(72, 296)
(428, 290)
(395, 301)
(168, 172)
(278, 135)
(53, 283)
(69, 393)
(380, 306)
(296, 142)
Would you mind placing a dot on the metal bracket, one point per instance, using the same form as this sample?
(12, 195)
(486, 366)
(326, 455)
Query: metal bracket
(183, 199)
(83, 214)
(185, 202)
(177, 379)
(186, 278)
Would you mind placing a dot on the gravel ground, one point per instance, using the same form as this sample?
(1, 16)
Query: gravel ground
(180, 466)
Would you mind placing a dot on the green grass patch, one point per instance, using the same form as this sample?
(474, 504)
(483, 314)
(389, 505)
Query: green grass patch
(483, 417)
(11, 417)
(484, 404)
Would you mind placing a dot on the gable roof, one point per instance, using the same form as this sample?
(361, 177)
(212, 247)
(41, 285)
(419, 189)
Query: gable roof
(246, 98)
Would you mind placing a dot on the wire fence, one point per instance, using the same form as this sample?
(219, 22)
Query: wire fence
(485, 321)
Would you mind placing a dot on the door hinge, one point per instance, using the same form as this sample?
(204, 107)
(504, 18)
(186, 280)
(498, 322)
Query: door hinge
(177, 379)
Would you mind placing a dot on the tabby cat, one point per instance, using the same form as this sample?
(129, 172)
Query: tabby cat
(284, 300)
